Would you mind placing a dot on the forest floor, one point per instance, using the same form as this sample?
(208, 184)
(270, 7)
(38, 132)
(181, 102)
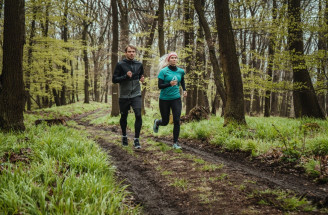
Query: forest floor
(203, 179)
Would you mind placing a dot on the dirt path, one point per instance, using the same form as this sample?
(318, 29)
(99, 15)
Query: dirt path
(199, 179)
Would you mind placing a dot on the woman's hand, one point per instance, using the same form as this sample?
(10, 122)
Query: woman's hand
(173, 83)
(185, 93)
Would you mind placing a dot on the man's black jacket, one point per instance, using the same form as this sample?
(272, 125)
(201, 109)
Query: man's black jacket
(129, 87)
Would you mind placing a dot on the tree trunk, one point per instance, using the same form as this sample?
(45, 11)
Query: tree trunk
(72, 78)
(161, 5)
(326, 50)
(188, 46)
(321, 64)
(96, 74)
(274, 95)
(203, 73)
(267, 105)
(256, 97)
(124, 24)
(145, 64)
(108, 76)
(46, 102)
(12, 94)
(305, 100)
(65, 38)
(234, 107)
(114, 58)
(215, 64)
(29, 56)
(56, 97)
(86, 62)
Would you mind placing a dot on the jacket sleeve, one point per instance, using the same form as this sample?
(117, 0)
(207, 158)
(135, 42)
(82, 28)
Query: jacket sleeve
(161, 84)
(183, 85)
(117, 76)
(141, 72)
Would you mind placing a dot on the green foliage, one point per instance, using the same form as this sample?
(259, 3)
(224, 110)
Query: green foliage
(180, 183)
(284, 200)
(57, 170)
(320, 146)
(311, 168)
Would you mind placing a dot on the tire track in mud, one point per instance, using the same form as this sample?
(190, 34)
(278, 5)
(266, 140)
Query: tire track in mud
(150, 194)
(305, 188)
(133, 173)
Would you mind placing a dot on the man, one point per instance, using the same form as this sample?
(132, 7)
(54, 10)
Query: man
(128, 73)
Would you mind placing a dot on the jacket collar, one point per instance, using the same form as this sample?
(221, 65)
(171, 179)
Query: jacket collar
(129, 61)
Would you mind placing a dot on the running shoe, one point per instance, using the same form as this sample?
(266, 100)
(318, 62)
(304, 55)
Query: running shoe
(176, 145)
(125, 141)
(136, 144)
(155, 126)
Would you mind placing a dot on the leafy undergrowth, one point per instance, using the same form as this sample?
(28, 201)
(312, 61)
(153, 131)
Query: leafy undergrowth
(302, 142)
(58, 170)
(68, 111)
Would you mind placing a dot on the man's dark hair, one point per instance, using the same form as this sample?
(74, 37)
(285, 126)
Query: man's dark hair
(131, 47)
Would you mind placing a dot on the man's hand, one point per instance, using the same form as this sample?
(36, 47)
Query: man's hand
(185, 93)
(142, 79)
(129, 74)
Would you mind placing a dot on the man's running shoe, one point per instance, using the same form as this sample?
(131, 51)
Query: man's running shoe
(125, 141)
(176, 145)
(155, 126)
(136, 144)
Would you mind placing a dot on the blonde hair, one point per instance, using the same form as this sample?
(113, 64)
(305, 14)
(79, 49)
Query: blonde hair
(164, 60)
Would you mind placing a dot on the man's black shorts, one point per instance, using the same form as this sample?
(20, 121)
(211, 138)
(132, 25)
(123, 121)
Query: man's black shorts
(125, 104)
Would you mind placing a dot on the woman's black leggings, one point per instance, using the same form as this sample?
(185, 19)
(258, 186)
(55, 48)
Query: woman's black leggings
(165, 106)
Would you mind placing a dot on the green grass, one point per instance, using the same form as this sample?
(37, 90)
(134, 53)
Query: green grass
(284, 200)
(69, 110)
(58, 170)
(180, 183)
(292, 137)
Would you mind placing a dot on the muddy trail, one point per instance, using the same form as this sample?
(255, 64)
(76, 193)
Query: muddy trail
(200, 179)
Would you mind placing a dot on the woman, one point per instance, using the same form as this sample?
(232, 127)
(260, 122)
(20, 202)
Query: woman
(169, 79)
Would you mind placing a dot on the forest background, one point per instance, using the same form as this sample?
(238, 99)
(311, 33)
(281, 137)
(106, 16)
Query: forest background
(72, 46)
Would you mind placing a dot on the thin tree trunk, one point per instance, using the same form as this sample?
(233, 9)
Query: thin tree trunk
(215, 64)
(321, 66)
(256, 97)
(29, 56)
(188, 45)
(326, 54)
(305, 100)
(234, 107)
(108, 77)
(161, 4)
(114, 58)
(72, 78)
(124, 24)
(96, 75)
(86, 62)
(201, 86)
(12, 94)
(65, 38)
(146, 66)
(274, 95)
(267, 105)
(46, 102)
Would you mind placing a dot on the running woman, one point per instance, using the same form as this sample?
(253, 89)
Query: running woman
(169, 79)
